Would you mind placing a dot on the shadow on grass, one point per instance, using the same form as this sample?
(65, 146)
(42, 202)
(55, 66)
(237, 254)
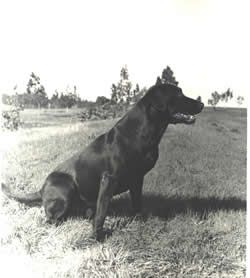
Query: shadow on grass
(165, 207)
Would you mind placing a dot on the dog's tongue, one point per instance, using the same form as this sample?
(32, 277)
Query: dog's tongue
(189, 119)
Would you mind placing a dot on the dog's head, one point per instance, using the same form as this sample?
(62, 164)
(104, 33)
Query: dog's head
(169, 100)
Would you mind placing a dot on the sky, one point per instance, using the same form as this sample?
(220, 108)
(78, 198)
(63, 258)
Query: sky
(86, 43)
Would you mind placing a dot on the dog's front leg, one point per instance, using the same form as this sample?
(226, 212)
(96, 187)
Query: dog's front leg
(107, 188)
(136, 195)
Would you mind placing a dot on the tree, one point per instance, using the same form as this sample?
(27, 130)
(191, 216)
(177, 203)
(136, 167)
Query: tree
(136, 92)
(214, 100)
(240, 100)
(37, 91)
(101, 100)
(41, 97)
(216, 97)
(124, 73)
(67, 100)
(114, 94)
(33, 82)
(118, 94)
(168, 76)
(54, 101)
(226, 96)
(122, 91)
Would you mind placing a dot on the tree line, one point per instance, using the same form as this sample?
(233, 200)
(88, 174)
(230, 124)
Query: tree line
(35, 96)
(123, 94)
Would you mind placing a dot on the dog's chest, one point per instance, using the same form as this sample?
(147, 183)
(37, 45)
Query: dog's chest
(147, 160)
(151, 156)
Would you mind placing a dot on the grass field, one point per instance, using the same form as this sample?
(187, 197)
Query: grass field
(194, 205)
(49, 117)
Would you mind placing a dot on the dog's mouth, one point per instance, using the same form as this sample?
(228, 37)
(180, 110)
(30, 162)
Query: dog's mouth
(180, 118)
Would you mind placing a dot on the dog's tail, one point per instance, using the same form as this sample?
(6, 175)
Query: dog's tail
(31, 199)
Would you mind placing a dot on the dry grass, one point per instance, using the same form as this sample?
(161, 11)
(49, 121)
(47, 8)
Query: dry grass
(194, 207)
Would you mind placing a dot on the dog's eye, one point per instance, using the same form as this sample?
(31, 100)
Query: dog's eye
(179, 95)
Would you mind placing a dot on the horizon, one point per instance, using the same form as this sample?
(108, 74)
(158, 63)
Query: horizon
(86, 45)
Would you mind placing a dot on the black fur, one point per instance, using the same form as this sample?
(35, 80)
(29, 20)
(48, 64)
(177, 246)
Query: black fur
(117, 160)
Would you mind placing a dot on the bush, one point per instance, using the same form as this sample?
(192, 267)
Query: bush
(11, 119)
(103, 112)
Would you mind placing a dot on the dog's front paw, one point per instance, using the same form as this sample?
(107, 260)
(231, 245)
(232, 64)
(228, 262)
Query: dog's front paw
(101, 235)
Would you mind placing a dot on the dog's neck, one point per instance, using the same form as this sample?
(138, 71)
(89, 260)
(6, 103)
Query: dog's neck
(144, 126)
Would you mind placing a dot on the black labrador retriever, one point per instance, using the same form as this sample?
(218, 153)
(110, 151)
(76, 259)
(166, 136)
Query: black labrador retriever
(116, 161)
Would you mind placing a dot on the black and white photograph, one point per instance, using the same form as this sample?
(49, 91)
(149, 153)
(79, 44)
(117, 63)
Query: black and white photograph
(124, 138)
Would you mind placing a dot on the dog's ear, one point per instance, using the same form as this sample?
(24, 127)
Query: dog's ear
(158, 81)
